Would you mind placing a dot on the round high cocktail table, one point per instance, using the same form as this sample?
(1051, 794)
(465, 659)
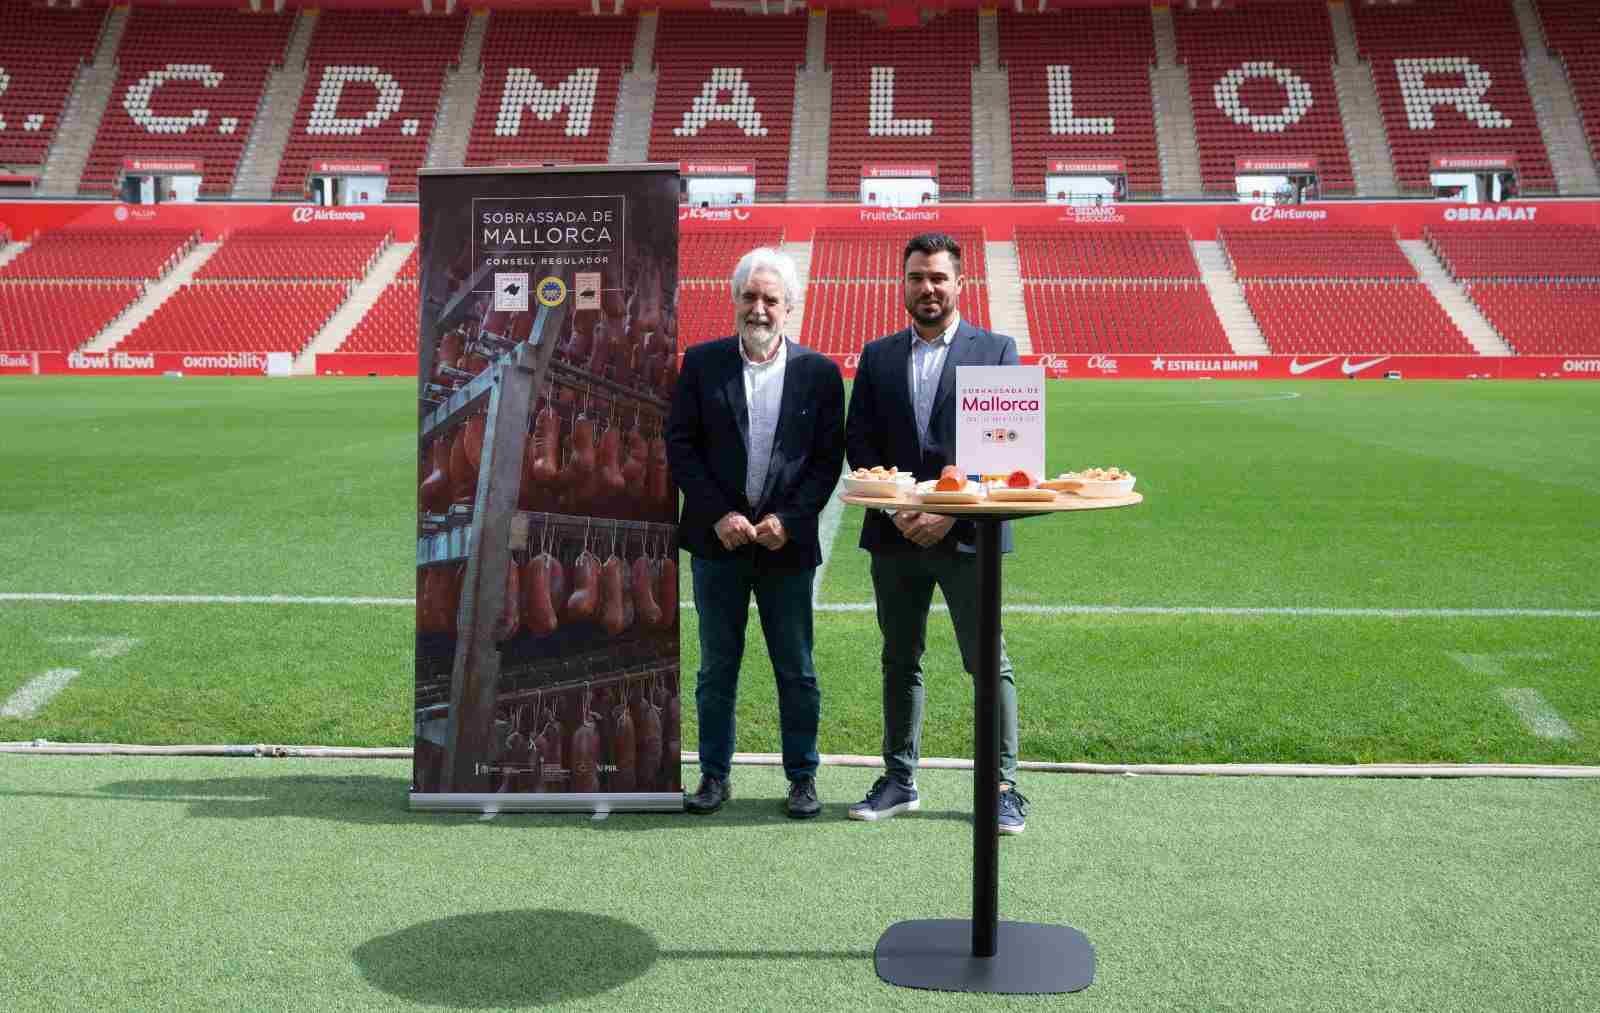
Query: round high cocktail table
(984, 954)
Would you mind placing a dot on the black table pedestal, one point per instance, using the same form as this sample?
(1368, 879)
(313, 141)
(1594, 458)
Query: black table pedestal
(986, 954)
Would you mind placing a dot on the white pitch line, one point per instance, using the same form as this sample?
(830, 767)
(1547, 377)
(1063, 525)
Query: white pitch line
(1535, 712)
(36, 692)
(205, 599)
(827, 528)
(867, 606)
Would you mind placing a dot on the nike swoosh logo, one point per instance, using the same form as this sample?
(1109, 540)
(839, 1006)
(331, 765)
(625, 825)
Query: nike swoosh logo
(1350, 370)
(1296, 367)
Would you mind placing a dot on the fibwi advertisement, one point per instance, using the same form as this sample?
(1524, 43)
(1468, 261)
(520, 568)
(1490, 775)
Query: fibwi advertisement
(547, 587)
(1000, 420)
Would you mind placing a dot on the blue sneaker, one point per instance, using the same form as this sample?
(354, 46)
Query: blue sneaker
(1013, 810)
(887, 798)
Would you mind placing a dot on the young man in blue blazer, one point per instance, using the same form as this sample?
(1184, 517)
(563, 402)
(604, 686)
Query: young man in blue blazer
(902, 414)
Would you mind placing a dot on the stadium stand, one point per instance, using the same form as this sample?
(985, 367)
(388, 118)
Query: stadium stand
(68, 285)
(390, 325)
(550, 85)
(855, 292)
(1572, 32)
(84, 254)
(40, 63)
(372, 92)
(273, 255)
(1121, 290)
(901, 95)
(189, 85)
(262, 291)
(238, 316)
(1354, 293)
(1450, 81)
(705, 267)
(59, 316)
(725, 91)
(1538, 287)
(1261, 83)
(1080, 88)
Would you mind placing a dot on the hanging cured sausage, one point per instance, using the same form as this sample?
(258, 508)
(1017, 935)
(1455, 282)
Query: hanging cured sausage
(613, 615)
(509, 620)
(586, 752)
(644, 595)
(648, 748)
(667, 591)
(538, 608)
(583, 605)
(624, 749)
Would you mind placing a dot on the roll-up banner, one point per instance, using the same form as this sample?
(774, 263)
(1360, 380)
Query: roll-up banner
(547, 670)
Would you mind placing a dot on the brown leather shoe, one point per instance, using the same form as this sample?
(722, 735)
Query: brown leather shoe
(708, 798)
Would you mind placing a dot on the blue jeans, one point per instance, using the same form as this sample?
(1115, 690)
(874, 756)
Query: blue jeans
(722, 590)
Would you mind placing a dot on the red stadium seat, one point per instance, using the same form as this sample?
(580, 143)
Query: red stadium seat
(725, 91)
(189, 85)
(854, 294)
(901, 95)
(1080, 87)
(1449, 77)
(1261, 83)
(41, 50)
(1538, 286)
(372, 92)
(550, 85)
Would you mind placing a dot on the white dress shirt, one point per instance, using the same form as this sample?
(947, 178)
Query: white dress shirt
(763, 398)
(926, 366)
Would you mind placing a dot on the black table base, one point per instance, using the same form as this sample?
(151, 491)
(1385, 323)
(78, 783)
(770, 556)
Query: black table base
(1030, 960)
(984, 954)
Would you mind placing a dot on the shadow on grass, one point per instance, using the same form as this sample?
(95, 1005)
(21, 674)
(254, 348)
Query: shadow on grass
(376, 800)
(529, 958)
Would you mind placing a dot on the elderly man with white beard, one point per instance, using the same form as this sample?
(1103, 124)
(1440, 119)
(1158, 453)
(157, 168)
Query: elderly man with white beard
(756, 443)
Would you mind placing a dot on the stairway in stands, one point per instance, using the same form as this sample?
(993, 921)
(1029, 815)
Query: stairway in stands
(1371, 162)
(458, 106)
(339, 326)
(1174, 112)
(1555, 108)
(259, 165)
(154, 296)
(80, 119)
(636, 104)
(813, 108)
(1228, 298)
(1456, 305)
(1007, 313)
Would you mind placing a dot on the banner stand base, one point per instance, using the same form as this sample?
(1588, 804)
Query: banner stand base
(1030, 959)
(561, 802)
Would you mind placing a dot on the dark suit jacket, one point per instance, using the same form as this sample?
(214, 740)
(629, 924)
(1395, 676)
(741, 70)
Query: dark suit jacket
(708, 436)
(882, 427)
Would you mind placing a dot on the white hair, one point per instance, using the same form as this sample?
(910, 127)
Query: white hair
(765, 258)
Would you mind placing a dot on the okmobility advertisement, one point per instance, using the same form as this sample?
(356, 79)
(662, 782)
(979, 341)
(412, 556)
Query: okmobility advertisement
(547, 664)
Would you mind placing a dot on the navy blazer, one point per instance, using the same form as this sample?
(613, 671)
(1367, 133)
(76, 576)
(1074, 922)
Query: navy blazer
(708, 436)
(882, 426)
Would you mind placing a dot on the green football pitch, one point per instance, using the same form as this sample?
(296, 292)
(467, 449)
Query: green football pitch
(1321, 572)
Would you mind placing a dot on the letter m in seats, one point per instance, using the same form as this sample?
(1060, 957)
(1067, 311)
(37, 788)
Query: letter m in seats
(524, 90)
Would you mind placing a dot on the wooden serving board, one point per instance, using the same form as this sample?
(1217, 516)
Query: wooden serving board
(1064, 503)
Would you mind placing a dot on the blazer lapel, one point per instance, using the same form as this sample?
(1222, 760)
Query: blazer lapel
(900, 384)
(733, 390)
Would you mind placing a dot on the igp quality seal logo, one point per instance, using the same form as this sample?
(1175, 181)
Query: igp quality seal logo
(552, 291)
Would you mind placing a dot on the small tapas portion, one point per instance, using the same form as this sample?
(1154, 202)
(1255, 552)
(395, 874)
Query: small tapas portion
(879, 481)
(950, 487)
(1020, 487)
(1092, 483)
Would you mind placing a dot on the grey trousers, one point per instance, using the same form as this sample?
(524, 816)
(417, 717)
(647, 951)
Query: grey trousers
(902, 583)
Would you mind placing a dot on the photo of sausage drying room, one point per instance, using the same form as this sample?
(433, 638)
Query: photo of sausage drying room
(547, 673)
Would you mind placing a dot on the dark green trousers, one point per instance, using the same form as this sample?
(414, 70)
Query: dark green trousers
(903, 584)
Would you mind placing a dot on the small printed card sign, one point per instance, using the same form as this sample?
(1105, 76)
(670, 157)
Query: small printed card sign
(1000, 420)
